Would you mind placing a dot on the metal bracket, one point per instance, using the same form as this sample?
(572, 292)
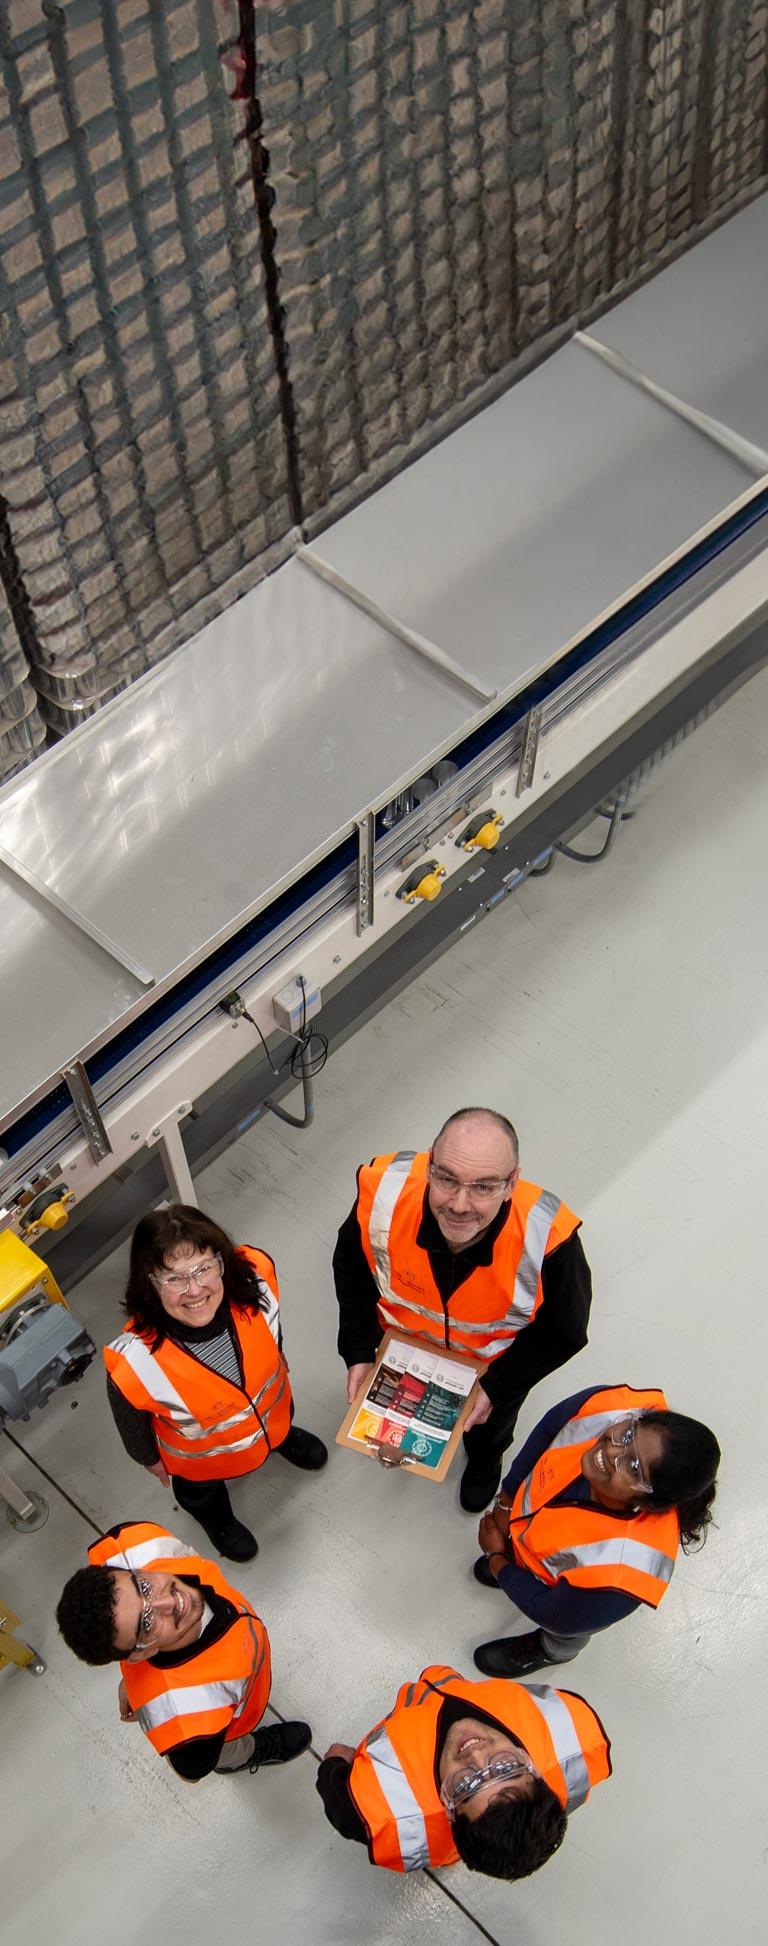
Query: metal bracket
(365, 837)
(87, 1110)
(167, 1137)
(530, 750)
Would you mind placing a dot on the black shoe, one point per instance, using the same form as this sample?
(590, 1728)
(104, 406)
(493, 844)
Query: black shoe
(235, 1542)
(304, 1450)
(482, 1573)
(279, 1744)
(478, 1486)
(514, 1656)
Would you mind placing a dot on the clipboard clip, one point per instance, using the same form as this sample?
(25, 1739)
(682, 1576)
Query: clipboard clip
(386, 1455)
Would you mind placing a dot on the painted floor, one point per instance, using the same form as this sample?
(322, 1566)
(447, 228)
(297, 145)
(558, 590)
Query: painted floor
(619, 1014)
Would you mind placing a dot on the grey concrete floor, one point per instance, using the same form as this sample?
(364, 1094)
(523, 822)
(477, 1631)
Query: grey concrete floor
(619, 1015)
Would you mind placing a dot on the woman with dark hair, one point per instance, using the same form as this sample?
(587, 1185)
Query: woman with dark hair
(197, 1381)
(590, 1519)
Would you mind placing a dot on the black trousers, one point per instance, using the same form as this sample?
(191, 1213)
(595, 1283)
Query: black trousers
(486, 1445)
(208, 1500)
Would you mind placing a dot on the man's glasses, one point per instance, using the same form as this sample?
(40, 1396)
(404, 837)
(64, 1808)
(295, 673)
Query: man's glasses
(147, 1618)
(623, 1436)
(472, 1780)
(177, 1282)
(478, 1191)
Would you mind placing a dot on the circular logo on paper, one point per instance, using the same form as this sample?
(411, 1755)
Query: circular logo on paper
(421, 1448)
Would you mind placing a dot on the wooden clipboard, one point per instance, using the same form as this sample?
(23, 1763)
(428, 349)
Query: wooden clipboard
(398, 1441)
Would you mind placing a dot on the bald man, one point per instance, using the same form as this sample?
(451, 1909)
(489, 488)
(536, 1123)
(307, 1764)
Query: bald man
(453, 1245)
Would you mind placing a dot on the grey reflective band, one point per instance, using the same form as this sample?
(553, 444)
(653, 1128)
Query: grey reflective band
(194, 1701)
(538, 1225)
(405, 1808)
(568, 1750)
(395, 1176)
(613, 1553)
(211, 1452)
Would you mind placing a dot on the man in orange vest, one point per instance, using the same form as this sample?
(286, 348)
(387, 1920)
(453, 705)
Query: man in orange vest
(483, 1771)
(194, 1657)
(455, 1246)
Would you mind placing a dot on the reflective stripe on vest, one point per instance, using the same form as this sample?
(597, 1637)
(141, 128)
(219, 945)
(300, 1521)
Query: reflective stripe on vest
(568, 1750)
(196, 1700)
(139, 1554)
(156, 1382)
(576, 1432)
(537, 1228)
(230, 1445)
(611, 1554)
(405, 1808)
(382, 1211)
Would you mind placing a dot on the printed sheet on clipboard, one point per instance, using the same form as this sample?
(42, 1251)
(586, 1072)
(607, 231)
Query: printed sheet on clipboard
(412, 1411)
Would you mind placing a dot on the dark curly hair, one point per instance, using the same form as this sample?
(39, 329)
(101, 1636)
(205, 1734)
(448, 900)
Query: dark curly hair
(86, 1616)
(685, 1476)
(515, 1836)
(163, 1230)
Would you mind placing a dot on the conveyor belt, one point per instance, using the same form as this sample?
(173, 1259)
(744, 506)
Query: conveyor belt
(211, 795)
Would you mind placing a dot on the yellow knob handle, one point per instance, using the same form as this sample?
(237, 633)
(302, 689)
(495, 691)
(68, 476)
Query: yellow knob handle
(428, 887)
(487, 836)
(54, 1217)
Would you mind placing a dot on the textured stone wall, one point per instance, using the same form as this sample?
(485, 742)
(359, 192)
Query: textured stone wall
(249, 257)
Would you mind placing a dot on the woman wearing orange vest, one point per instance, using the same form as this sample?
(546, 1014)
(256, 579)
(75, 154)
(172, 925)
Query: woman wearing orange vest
(479, 1771)
(590, 1518)
(194, 1657)
(197, 1381)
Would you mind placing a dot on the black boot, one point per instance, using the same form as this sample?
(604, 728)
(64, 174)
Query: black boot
(209, 1503)
(303, 1449)
(482, 1573)
(515, 1656)
(279, 1743)
(236, 1543)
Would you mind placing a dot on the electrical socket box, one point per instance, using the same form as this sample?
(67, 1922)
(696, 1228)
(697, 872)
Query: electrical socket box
(294, 1005)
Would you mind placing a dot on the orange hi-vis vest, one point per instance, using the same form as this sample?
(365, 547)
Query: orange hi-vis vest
(392, 1777)
(225, 1687)
(496, 1301)
(207, 1428)
(588, 1546)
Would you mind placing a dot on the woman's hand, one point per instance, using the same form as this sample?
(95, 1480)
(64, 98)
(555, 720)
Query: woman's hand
(160, 1473)
(492, 1537)
(344, 1750)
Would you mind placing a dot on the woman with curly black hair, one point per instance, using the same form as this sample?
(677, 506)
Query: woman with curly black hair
(197, 1381)
(590, 1519)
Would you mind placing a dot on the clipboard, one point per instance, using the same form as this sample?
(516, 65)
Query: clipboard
(411, 1413)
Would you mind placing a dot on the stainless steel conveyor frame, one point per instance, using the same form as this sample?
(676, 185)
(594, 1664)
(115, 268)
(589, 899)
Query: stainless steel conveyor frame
(511, 627)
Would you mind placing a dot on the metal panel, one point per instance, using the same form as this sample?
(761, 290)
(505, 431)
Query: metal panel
(511, 537)
(701, 327)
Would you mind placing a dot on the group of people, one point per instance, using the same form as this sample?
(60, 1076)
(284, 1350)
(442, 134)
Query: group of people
(455, 1247)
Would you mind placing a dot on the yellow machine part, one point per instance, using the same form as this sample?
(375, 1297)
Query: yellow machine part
(428, 888)
(487, 837)
(21, 1271)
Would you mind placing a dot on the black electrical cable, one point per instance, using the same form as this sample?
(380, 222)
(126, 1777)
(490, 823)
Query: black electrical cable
(594, 857)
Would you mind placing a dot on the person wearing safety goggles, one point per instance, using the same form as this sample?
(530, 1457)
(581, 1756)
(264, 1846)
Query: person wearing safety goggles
(590, 1520)
(485, 1772)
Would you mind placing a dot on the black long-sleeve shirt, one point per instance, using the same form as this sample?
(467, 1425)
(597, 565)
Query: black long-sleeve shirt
(562, 1608)
(554, 1335)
